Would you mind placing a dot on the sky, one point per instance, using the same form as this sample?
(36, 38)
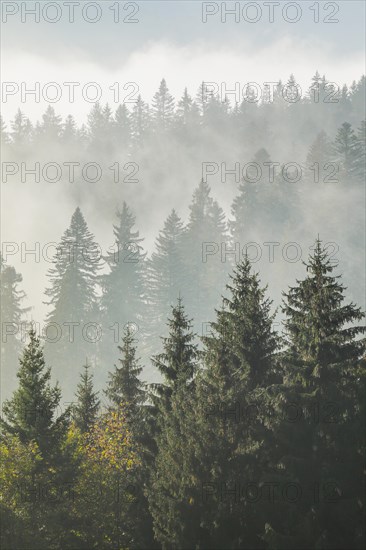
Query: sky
(169, 39)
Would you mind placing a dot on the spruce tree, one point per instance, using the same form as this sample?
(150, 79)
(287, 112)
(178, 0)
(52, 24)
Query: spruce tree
(360, 167)
(140, 123)
(12, 320)
(211, 442)
(127, 395)
(51, 127)
(72, 323)
(165, 275)
(318, 159)
(69, 132)
(252, 204)
(163, 108)
(22, 130)
(5, 140)
(346, 151)
(318, 411)
(31, 412)
(122, 300)
(122, 130)
(124, 386)
(176, 363)
(85, 410)
(207, 256)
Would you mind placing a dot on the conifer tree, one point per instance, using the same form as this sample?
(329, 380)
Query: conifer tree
(5, 140)
(163, 107)
(122, 129)
(319, 408)
(252, 202)
(184, 108)
(69, 131)
(140, 122)
(122, 300)
(71, 332)
(318, 159)
(207, 256)
(51, 127)
(124, 386)
(126, 393)
(346, 151)
(31, 412)
(165, 274)
(361, 156)
(85, 410)
(12, 319)
(21, 131)
(210, 439)
(176, 363)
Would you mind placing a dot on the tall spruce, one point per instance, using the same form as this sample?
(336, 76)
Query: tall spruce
(71, 324)
(165, 275)
(122, 300)
(212, 443)
(207, 256)
(319, 409)
(176, 363)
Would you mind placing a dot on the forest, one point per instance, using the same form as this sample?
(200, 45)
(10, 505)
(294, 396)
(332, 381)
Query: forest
(205, 390)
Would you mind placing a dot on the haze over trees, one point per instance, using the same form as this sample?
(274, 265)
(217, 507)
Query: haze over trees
(192, 384)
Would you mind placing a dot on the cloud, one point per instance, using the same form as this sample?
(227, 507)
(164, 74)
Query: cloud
(180, 65)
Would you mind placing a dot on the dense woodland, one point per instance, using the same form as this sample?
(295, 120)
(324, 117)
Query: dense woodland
(193, 420)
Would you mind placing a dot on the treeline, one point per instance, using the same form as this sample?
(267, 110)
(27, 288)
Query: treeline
(254, 440)
(206, 124)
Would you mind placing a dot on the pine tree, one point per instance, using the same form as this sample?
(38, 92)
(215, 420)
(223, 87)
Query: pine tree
(72, 332)
(319, 408)
(122, 301)
(31, 412)
(87, 403)
(12, 320)
(163, 107)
